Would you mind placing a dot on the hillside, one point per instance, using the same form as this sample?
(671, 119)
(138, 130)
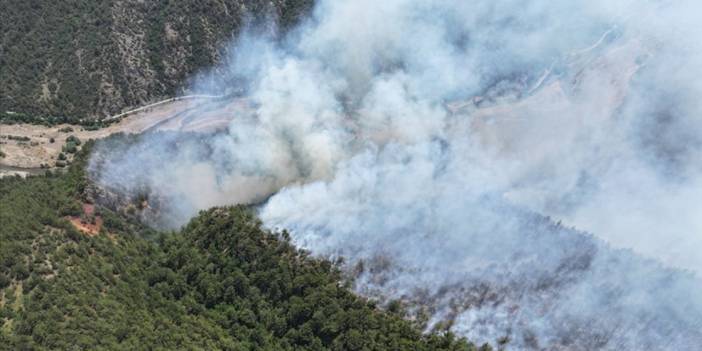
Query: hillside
(89, 59)
(220, 283)
(350, 175)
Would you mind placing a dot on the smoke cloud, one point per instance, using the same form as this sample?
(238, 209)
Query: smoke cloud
(456, 154)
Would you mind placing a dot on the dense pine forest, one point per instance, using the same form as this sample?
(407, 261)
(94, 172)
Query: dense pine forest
(222, 282)
(86, 59)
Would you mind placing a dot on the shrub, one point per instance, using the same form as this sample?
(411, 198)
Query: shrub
(4, 281)
(20, 271)
(71, 209)
(70, 148)
(18, 138)
(73, 139)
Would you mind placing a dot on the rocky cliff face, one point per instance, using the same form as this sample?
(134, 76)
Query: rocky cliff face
(90, 59)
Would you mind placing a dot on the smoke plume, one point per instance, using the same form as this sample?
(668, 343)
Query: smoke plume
(456, 154)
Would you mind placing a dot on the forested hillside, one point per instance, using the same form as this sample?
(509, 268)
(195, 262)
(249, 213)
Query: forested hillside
(221, 283)
(92, 58)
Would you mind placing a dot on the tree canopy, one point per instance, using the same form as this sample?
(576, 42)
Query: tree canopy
(222, 282)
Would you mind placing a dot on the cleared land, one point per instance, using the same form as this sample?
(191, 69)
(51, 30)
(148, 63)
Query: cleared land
(28, 148)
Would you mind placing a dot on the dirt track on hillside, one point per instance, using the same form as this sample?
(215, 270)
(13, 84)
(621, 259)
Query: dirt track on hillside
(30, 146)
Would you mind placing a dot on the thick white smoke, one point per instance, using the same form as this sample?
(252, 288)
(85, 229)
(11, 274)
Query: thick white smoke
(427, 142)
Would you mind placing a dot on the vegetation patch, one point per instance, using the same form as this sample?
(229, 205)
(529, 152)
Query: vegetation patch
(222, 282)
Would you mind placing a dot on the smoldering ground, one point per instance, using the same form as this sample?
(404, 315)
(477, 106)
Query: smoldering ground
(435, 144)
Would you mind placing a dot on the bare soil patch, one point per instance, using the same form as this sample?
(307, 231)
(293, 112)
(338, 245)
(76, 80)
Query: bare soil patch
(89, 223)
(35, 146)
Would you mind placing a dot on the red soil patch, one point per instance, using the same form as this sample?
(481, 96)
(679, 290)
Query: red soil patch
(88, 227)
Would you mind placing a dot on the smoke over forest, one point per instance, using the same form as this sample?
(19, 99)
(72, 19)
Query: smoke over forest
(520, 172)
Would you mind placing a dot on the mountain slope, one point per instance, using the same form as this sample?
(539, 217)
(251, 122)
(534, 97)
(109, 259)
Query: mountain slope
(79, 58)
(220, 283)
